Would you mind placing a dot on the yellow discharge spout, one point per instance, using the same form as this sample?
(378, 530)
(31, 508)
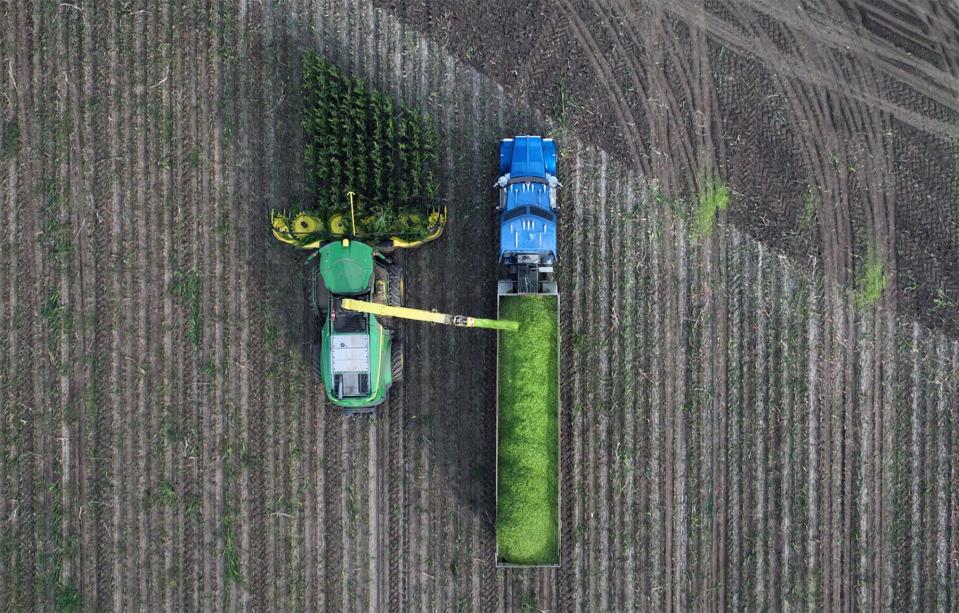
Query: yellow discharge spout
(363, 306)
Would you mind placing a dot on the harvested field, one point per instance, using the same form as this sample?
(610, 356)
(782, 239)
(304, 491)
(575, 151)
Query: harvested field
(738, 430)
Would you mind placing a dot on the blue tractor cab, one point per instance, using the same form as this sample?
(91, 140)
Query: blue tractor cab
(527, 204)
(527, 208)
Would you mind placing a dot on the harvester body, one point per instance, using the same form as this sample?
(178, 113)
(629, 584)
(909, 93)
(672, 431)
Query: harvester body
(355, 354)
(356, 293)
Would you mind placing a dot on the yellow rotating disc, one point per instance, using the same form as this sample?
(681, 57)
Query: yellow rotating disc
(305, 225)
(366, 224)
(409, 222)
(337, 225)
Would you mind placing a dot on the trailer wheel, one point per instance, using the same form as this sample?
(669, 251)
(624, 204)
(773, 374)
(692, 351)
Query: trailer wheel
(396, 357)
(394, 278)
(316, 351)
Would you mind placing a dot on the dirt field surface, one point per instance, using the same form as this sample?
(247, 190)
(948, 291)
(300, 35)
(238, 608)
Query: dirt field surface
(835, 122)
(740, 430)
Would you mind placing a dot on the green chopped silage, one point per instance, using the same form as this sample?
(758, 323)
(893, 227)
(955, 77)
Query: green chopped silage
(527, 522)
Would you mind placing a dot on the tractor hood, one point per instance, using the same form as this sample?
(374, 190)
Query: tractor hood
(528, 225)
(347, 267)
(528, 234)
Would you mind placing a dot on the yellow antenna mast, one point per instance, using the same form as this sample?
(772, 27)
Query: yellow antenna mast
(352, 214)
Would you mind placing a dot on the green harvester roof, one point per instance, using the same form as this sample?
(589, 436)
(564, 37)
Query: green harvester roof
(346, 267)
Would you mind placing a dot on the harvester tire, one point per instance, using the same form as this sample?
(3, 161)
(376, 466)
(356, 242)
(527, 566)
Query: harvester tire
(318, 309)
(316, 350)
(396, 357)
(307, 298)
(394, 279)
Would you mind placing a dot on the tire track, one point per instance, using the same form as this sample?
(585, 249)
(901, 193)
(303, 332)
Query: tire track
(662, 103)
(952, 392)
(228, 310)
(260, 362)
(73, 376)
(814, 402)
(23, 304)
(620, 469)
(120, 376)
(596, 396)
(922, 76)
(671, 313)
(95, 536)
(762, 371)
(8, 310)
(720, 474)
(793, 295)
(644, 447)
(333, 515)
(181, 223)
(627, 122)
(168, 426)
(148, 146)
(570, 279)
(866, 399)
(484, 491)
(727, 35)
(737, 402)
(220, 408)
(249, 350)
(657, 538)
(396, 473)
(582, 387)
(44, 319)
(48, 325)
(267, 349)
(199, 255)
(630, 301)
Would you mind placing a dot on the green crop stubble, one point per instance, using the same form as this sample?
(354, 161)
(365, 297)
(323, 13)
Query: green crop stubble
(186, 287)
(870, 280)
(526, 521)
(713, 198)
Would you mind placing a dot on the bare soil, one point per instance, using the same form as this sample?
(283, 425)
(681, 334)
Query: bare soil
(737, 433)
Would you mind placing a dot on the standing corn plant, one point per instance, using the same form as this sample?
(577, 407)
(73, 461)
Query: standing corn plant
(359, 139)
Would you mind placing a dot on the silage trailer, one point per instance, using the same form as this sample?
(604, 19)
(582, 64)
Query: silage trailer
(527, 361)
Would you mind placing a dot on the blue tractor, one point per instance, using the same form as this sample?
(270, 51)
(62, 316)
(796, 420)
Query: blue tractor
(527, 208)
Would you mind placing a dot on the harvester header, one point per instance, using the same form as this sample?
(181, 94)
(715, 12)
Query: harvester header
(310, 231)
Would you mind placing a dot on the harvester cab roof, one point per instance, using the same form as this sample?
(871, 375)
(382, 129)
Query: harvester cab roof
(347, 267)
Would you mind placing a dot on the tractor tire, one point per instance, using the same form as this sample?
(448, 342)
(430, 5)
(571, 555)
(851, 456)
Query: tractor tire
(396, 357)
(316, 351)
(394, 276)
